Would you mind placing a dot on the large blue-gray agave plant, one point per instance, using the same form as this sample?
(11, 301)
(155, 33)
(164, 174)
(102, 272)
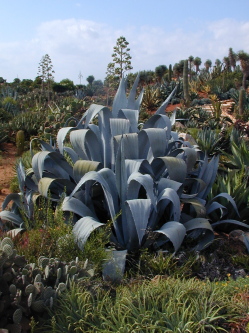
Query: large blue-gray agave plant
(148, 182)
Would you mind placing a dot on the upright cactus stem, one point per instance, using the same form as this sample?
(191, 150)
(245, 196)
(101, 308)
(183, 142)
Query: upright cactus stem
(185, 82)
(20, 140)
(170, 73)
(242, 95)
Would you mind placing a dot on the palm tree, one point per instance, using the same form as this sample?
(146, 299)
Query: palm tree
(232, 58)
(226, 61)
(197, 63)
(244, 63)
(208, 64)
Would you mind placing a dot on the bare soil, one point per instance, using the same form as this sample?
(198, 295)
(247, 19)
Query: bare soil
(7, 169)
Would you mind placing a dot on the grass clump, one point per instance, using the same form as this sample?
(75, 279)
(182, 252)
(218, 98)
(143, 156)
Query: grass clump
(159, 305)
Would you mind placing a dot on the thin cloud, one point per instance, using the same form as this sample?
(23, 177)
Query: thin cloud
(86, 46)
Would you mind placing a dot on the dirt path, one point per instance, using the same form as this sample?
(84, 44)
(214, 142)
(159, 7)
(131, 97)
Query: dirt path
(7, 169)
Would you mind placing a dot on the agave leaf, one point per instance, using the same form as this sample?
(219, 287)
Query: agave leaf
(230, 221)
(62, 133)
(135, 181)
(104, 117)
(72, 154)
(121, 177)
(83, 228)
(190, 156)
(152, 143)
(198, 205)
(76, 206)
(166, 196)
(113, 268)
(136, 165)
(16, 197)
(106, 178)
(166, 182)
(93, 110)
(174, 231)
(137, 215)
(130, 145)
(119, 126)
(132, 116)
(161, 109)
(195, 184)
(120, 100)
(208, 174)
(54, 188)
(175, 167)
(52, 162)
(229, 199)
(206, 237)
(86, 145)
(173, 118)
(6, 215)
(131, 101)
(21, 176)
(214, 206)
(159, 121)
(81, 167)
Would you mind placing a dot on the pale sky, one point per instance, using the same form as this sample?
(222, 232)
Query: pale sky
(79, 35)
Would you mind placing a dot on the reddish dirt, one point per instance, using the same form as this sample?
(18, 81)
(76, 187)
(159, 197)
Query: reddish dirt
(7, 169)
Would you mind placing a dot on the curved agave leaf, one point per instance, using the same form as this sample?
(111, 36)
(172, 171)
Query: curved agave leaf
(159, 121)
(76, 206)
(200, 223)
(216, 206)
(52, 162)
(72, 154)
(198, 205)
(83, 229)
(152, 143)
(81, 167)
(195, 184)
(86, 145)
(135, 165)
(135, 181)
(226, 196)
(175, 167)
(230, 221)
(93, 110)
(6, 215)
(106, 178)
(174, 231)
(132, 116)
(54, 188)
(61, 135)
(30, 180)
(166, 196)
(130, 145)
(190, 156)
(16, 197)
(137, 215)
(167, 183)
